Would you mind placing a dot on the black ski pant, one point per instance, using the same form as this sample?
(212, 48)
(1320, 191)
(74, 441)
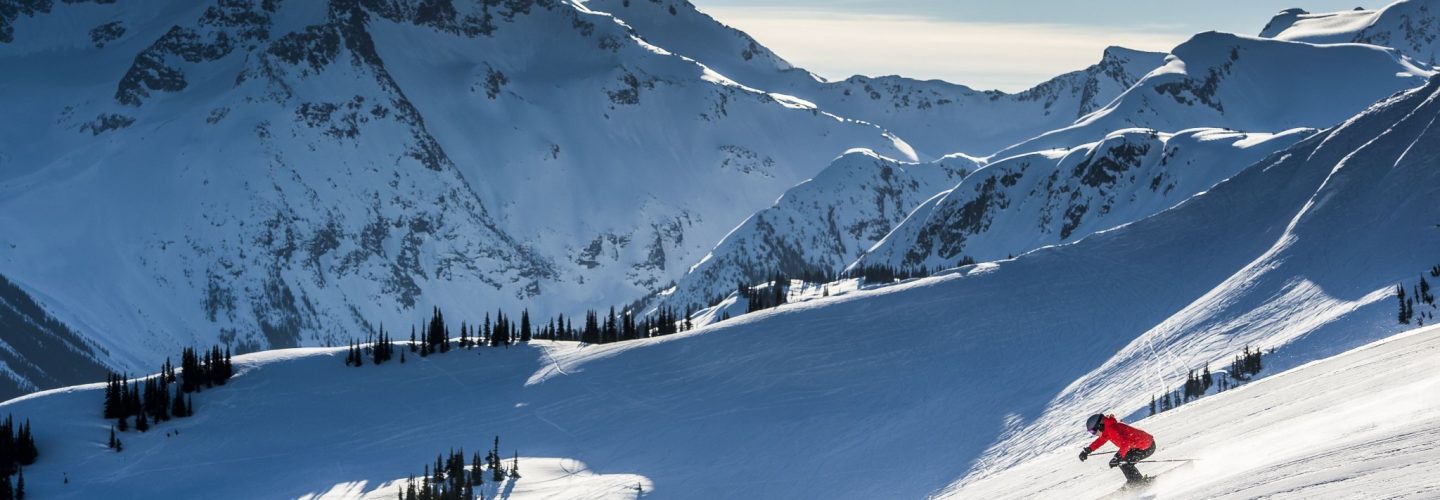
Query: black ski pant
(1132, 474)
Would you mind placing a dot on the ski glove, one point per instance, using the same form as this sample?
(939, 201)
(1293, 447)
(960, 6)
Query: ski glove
(1084, 454)
(1115, 461)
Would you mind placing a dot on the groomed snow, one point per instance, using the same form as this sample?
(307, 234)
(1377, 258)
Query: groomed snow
(1362, 424)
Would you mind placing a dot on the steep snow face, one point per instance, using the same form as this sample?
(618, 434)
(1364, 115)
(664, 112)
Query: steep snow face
(1250, 84)
(1059, 196)
(819, 226)
(1409, 26)
(285, 173)
(934, 116)
(1300, 254)
(1359, 424)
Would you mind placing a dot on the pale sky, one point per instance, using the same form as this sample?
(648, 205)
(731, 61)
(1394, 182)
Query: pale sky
(986, 44)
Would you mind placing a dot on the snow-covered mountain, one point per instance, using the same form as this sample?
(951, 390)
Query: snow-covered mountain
(1409, 26)
(819, 226)
(1244, 83)
(944, 381)
(936, 117)
(1059, 196)
(1082, 186)
(283, 173)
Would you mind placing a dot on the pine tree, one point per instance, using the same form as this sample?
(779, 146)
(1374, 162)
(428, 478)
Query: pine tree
(477, 474)
(20, 486)
(525, 334)
(1152, 405)
(1404, 314)
(178, 404)
(141, 424)
(515, 466)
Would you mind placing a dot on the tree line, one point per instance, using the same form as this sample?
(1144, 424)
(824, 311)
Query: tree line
(450, 479)
(1242, 368)
(1419, 293)
(151, 401)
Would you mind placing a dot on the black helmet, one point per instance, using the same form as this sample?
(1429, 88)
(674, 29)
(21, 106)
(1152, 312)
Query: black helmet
(1095, 423)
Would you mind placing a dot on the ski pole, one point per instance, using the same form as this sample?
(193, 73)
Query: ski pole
(1171, 460)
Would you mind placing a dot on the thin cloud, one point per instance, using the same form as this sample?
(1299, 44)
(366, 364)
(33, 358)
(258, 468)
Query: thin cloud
(1005, 56)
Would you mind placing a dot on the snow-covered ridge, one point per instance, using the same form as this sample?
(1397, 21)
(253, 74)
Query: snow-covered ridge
(1409, 26)
(1249, 84)
(934, 116)
(1025, 202)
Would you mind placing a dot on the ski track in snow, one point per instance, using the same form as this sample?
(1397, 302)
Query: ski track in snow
(1358, 425)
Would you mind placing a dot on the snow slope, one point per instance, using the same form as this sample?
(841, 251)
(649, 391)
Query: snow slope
(289, 173)
(971, 372)
(37, 351)
(1409, 26)
(1361, 424)
(1325, 231)
(1244, 83)
(935, 117)
(1025, 202)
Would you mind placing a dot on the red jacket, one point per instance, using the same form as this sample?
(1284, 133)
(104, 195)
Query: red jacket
(1124, 436)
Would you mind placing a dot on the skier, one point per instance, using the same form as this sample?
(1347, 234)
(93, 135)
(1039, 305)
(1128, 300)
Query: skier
(1135, 445)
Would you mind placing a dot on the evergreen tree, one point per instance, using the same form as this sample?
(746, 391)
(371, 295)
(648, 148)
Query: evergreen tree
(112, 438)
(20, 486)
(177, 407)
(610, 333)
(477, 471)
(1404, 313)
(525, 335)
(1152, 405)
